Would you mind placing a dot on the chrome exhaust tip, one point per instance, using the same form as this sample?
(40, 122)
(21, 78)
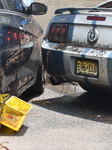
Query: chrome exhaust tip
(56, 81)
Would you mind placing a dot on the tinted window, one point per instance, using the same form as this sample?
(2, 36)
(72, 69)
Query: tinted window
(16, 5)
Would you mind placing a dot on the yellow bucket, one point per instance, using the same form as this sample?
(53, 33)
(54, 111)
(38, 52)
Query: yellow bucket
(3, 97)
(14, 113)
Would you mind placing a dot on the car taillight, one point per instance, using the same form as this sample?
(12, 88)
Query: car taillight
(58, 33)
(96, 18)
(16, 36)
(12, 37)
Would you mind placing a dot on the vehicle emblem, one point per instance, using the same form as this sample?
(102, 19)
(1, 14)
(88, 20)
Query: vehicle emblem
(93, 36)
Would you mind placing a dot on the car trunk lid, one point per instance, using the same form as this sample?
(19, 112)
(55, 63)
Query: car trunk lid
(91, 28)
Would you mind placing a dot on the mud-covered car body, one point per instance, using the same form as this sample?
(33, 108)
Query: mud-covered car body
(20, 46)
(78, 47)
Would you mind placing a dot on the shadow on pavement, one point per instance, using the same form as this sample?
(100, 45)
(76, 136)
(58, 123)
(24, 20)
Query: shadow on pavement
(84, 105)
(5, 131)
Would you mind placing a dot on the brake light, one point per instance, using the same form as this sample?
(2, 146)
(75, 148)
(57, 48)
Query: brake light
(58, 33)
(12, 37)
(8, 39)
(8, 36)
(52, 30)
(16, 36)
(96, 18)
(22, 36)
(63, 31)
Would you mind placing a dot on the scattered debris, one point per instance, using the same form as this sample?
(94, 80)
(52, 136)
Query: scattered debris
(2, 147)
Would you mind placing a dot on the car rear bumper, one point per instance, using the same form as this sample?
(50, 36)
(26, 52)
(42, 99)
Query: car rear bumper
(62, 63)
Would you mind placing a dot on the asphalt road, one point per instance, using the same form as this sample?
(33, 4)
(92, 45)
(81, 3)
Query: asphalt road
(63, 118)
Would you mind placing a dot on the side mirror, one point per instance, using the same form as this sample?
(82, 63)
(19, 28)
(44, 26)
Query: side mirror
(36, 9)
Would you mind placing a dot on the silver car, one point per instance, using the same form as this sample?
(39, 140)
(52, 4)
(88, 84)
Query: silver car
(78, 47)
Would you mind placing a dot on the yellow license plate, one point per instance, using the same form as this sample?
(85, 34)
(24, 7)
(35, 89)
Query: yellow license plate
(87, 68)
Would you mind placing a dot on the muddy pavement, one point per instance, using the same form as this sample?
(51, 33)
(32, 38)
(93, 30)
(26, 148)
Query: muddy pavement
(64, 118)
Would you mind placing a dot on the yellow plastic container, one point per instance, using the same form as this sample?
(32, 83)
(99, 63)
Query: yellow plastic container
(3, 97)
(14, 113)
